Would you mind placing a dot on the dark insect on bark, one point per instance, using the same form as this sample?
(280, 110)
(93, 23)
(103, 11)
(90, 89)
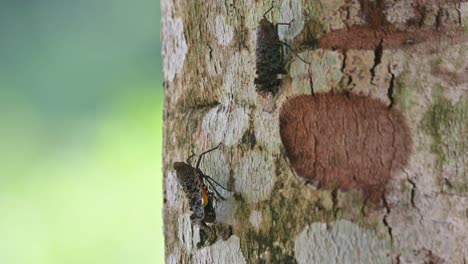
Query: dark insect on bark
(195, 185)
(269, 57)
(269, 53)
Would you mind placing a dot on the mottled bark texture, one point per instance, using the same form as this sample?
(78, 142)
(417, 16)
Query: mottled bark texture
(383, 112)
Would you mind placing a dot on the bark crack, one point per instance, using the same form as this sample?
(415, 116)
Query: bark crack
(413, 196)
(343, 67)
(439, 18)
(377, 59)
(460, 20)
(391, 87)
(385, 221)
(311, 82)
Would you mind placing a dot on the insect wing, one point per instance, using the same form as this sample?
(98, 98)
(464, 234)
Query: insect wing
(188, 179)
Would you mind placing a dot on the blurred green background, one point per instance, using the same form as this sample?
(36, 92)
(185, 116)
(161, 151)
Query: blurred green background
(80, 132)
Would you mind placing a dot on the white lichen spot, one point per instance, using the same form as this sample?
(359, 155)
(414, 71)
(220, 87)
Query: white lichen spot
(255, 176)
(238, 83)
(185, 232)
(225, 124)
(267, 130)
(171, 188)
(171, 259)
(340, 242)
(290, 12)
(400, 12)
(215, 122)
(220, 252)
(174, 47)
(255, 219)
(324, 70)
(196, 235)
(224, 32)
(301, 74)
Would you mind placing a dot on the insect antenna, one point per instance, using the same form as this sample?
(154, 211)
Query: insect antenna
(201, 155)
(268, 11)
(189, 158)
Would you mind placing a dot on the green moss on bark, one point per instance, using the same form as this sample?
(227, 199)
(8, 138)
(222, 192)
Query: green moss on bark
(405, 92)
(447, 123)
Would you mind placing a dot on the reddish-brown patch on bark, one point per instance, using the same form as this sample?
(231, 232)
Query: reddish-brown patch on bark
(359, 37)
(378, 32)
(345, 141)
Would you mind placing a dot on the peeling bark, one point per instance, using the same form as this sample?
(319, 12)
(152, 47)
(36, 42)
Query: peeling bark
(410, 56)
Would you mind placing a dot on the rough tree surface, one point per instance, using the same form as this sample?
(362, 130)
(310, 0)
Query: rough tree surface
(407, 59)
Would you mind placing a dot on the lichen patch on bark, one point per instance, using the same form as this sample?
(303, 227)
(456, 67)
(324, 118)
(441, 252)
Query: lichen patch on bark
(346, 142)
(447, 124)
(324, 72)
(290, 12)
(185, 232)
(171, 259)
(224, 32)
(254, 176)
(267, 130)
(220, 252)
(255, 219)
(340, 242)
(171, 189)
(175, 45)
(226, 124)
(238, 85)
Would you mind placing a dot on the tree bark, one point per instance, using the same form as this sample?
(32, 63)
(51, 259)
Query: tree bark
(410, 56)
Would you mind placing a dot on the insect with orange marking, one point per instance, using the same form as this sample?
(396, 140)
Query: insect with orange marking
(195, 185)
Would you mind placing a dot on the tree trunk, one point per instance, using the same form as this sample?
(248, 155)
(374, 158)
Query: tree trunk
(367, 165)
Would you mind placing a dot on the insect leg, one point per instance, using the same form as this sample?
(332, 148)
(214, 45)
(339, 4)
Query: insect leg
(216, 191)
(189, 158)
(206, 178)
(201, 155)
(209, 179)
(284, 24)
(289, 47)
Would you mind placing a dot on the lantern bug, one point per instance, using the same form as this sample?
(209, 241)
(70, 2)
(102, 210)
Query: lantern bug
(269, 56)
(195, 185)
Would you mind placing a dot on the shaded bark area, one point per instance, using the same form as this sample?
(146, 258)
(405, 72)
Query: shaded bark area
(412, 60)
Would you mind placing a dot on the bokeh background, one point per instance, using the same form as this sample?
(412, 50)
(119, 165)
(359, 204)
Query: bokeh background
(81, 104)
